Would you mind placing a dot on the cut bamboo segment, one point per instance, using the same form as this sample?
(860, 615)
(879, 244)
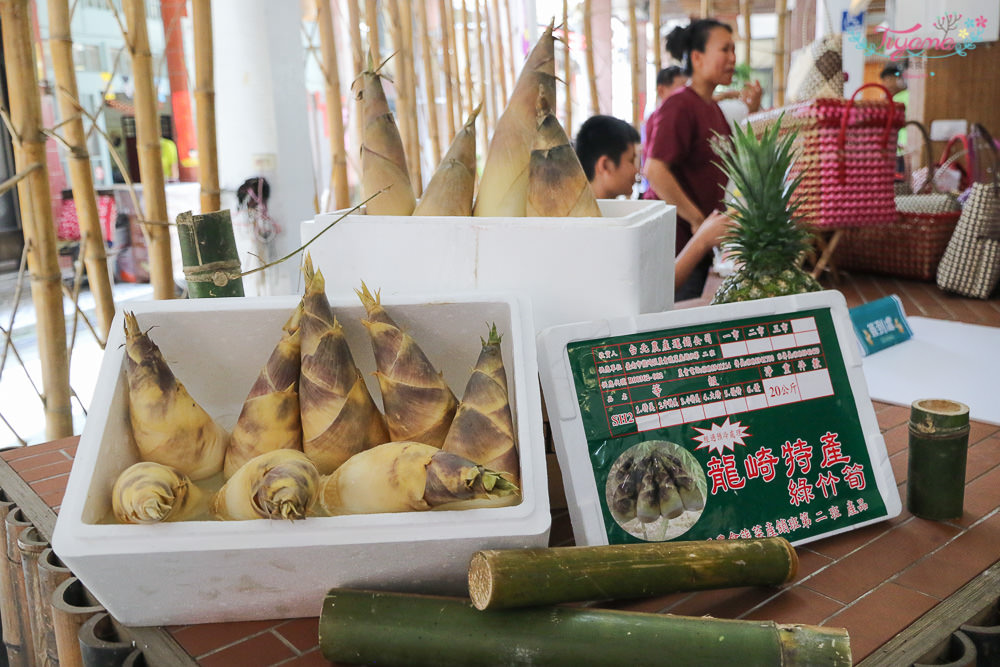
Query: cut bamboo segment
(31, 544)
(211, 258)
(103, 641)
(204, 99)
(23, 642)
(453, 184)
(51, 573)
(334, 111)
(147, 128)
(72, 605)
(588, 52)
(36, 214)
(430, 95)
(383, 161)
(372, 627)
(938, 451)
(530, 577)
(557, 184)
(16, 631)
(95, 256)
(503, 187)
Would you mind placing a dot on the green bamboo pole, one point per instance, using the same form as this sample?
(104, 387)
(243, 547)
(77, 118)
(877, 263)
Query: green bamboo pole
(372, 627)
(147, 128)
(36, 214)
(204, 96)
(527, 577)
(208, 248)
(939, 446)
(95, 256)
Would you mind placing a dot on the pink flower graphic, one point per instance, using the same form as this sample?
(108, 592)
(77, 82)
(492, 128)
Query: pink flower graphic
(981, 22)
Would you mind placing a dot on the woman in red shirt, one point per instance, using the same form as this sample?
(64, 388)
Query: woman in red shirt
(679, 162)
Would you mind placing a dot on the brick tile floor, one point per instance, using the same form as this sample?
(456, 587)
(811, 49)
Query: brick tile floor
(874, 581)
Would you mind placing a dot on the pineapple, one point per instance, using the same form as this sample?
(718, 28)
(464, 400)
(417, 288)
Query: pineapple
(768, 240)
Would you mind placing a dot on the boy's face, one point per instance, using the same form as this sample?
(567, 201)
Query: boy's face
(621, 177)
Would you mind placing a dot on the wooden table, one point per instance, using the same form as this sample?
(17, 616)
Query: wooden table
(900, 587)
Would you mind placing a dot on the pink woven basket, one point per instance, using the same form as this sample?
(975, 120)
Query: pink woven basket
(846, 157)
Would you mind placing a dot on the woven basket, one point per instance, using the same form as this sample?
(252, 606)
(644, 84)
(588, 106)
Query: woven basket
(913, 244)
(846, 158)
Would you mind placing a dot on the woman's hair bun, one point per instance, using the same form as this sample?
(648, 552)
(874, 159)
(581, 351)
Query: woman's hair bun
(679, 42)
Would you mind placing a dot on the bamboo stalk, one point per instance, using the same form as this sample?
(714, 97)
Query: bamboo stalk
(204, 96)
(72, 605)
(486, 101)
(96, 258)
(656, 16)
(530, 577)
(358, 61)
(15, 524)
(745, 11)
(14, 637)
(401, 24)
(433, 128)
(501, 60)
(781, 9)
(469, 98)
(706, 8)
(51, 573)
(371, 20)
(334, 109)
(36, 215)
(31, 544)
(455, 76)
(446, 42)
(512, 59)
(567, 71)
(588, 51)
(636, 58)
(211, 259)
(416, 165)
(497, 100)
(147, 129)
(373, 627)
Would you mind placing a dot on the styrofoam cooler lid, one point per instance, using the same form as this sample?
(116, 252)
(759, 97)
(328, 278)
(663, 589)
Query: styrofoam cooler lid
(723, 422)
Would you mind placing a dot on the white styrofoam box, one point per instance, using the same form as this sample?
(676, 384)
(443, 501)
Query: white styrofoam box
(574, 269)
(210, 571)
(568, 430)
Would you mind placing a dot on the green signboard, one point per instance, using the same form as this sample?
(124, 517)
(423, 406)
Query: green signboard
(728, 428)
(880, 324)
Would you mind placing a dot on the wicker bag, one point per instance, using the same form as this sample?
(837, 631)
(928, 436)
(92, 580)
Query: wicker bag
(912, 245)
(846, 158)
(971, 262)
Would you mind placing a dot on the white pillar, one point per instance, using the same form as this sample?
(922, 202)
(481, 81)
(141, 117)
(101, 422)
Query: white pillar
(262, 127)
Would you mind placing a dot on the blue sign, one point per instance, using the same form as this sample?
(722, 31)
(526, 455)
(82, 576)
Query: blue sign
(880, 324)
(852, 22)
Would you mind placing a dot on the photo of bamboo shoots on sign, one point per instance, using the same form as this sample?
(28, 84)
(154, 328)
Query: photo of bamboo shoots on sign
(656, 490)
